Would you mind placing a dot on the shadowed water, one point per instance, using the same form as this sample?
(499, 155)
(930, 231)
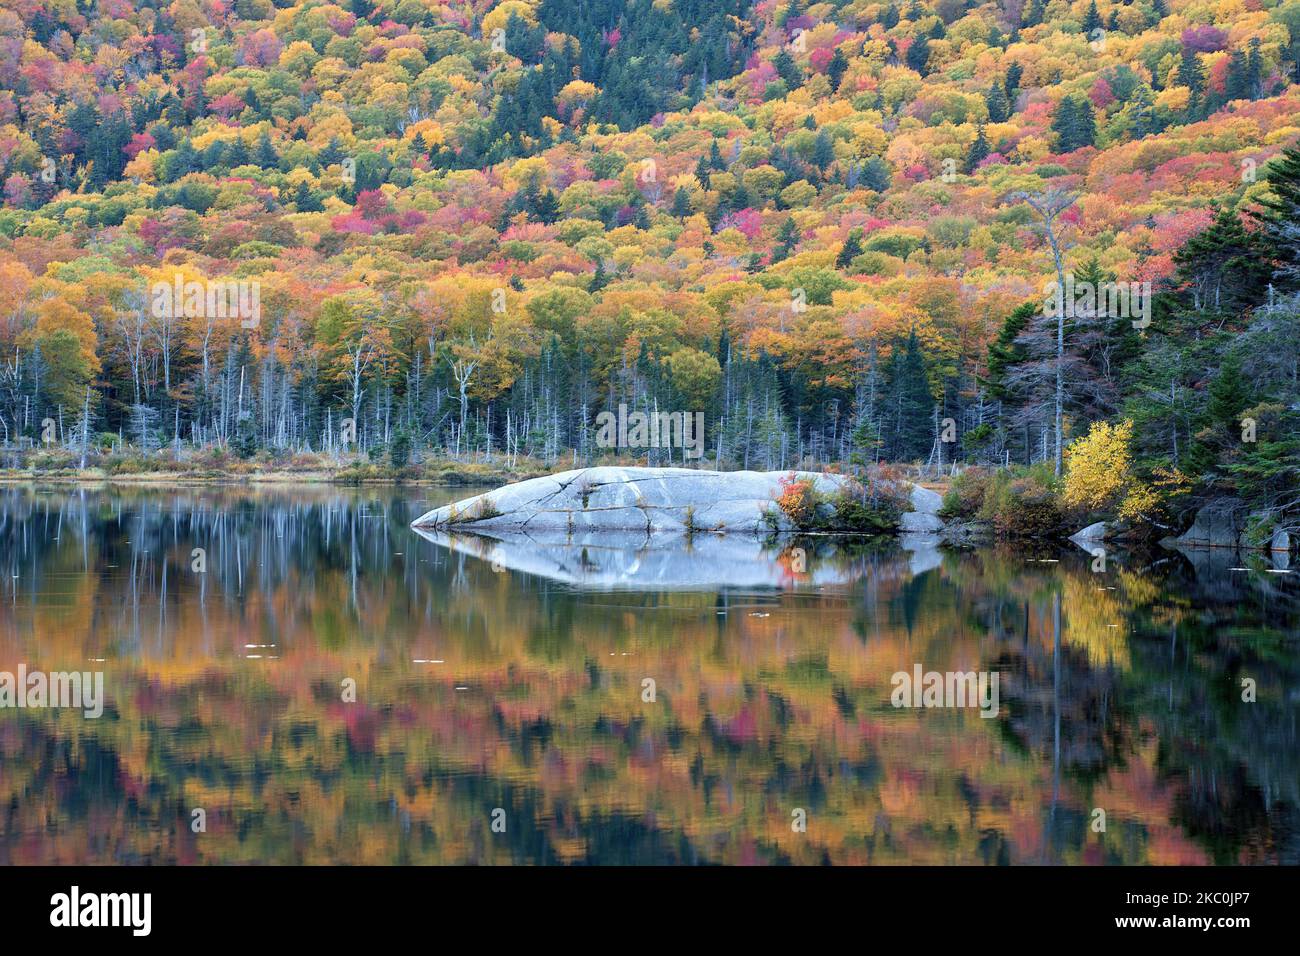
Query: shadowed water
(512, 674)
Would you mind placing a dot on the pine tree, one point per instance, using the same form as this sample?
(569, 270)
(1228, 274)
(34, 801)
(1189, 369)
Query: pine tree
(1236, 84)
(1279, 216)
(702, 173)
(876, 174)
(265, 155)
(1074, 124)
(1033, 14)
(998, 106)
(836, 68)
(305, 199)
(918, 54)
(1005, 352)
(1091, 20)
(1224, 267)
(1011, 82)
(911, 405)
(546, 208)
(1191, 76)
(715, 156)
(788, 70)
(978, 152)
(787, 238)
(823, 153)
(1254, 70)
(681, 203)
(851, 249)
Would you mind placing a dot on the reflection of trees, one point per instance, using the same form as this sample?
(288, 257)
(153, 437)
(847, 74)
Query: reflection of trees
(755, 715)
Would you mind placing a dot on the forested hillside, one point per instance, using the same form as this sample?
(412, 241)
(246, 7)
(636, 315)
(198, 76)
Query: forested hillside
(409, 229)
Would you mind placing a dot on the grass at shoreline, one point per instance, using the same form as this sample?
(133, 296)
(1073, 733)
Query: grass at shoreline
(359, 471)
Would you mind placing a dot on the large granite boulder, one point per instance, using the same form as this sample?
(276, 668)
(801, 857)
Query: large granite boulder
(1218, 525)
(629, 499)
(925, 501)
(921, 522)
(649, 500)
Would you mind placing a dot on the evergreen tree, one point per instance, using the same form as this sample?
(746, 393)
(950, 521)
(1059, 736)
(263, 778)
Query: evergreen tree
(1091, 20)
(978, 152)
(787, 238)
(911, 406)
(1254, 70)
(1011, 82)
(836, 68)
(546, 208)
(788, 70)
(1224, 267)
(823, 153)
(265, 155)
(681, 203)
(1074, 124)
(876, 174)
(1279, 216)
(851, 249)
(1191, 76)
(305, 199)
(998, 106)
(715, 156)
(918, 54)
(1236, 85)
(702, 173)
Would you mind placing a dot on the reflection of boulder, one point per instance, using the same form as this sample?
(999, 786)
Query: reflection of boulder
(924, 551)
(616, 560)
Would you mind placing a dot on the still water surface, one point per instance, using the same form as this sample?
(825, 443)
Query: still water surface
(513, 677)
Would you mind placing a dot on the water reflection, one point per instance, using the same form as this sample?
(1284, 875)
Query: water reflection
(493, 674)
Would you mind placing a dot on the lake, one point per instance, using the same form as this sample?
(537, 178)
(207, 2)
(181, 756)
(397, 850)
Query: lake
(293, 675)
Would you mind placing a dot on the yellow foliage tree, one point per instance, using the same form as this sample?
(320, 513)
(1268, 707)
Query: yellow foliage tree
(1099, 467)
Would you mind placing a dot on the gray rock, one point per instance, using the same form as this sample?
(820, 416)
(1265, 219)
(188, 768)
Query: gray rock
(1281, 542)
(925, 501)
(920, 522)
(1218, 525)
(629, 499)
(1093, 534)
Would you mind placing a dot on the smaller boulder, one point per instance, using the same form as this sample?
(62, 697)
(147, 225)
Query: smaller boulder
(920, 522)
(1094, 533)
(925, 501)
